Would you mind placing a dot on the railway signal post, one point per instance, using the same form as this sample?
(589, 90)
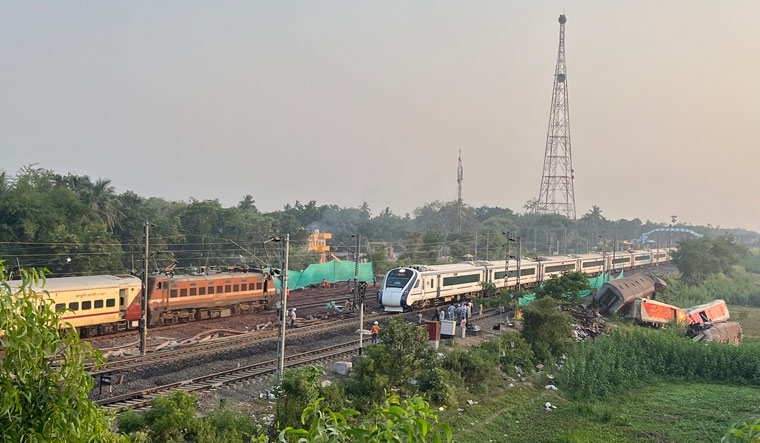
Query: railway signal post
(357, 298)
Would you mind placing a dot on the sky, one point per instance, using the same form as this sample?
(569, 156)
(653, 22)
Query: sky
(343, 102)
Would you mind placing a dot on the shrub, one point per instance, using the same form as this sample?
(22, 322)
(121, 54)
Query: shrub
(513, 351)
(298, 389)
(744, 432)
(475, 366)
(548, 330)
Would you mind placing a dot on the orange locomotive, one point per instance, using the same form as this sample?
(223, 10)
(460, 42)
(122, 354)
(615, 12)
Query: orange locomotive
(175, 299)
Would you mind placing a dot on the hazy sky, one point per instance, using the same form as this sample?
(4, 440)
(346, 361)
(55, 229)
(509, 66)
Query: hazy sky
(345, 101)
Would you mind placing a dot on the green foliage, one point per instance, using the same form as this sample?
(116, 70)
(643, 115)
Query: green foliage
(44, 383)
(173, 418)
(566, 287)
(299, 387)
(699, 258)
(512, 351)
(400, 358)
(394, 420)
(475, 366)
(547, 329)
(744, 432)
(741, 288)
(629, 356)
(751, 262)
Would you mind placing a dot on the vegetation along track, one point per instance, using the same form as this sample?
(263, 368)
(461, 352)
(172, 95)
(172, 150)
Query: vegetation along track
(139, 399)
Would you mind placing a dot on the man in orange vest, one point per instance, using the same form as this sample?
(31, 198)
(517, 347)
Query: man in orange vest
(375, 331)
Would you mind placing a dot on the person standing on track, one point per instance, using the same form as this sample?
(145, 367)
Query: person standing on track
(452, 308)
(441, 315)
(375, 331)
(293, 318)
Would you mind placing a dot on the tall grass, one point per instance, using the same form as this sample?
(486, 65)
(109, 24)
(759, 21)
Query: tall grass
(741, 288)
(751, 262)
(630, 356)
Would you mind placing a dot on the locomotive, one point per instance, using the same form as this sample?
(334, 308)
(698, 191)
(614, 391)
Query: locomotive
(104, 304)
(417, 286)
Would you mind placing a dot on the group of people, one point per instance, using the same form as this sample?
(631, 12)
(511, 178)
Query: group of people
(461, 312)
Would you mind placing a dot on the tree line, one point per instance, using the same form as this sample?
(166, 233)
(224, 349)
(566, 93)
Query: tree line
(74, 225)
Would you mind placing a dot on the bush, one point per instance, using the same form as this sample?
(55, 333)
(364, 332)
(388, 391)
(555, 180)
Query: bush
(475, 367)
(513, 351)
(402, 356)
(299, 388)
(548, 330)
(628, 356)
(744, 432)
(740, 289)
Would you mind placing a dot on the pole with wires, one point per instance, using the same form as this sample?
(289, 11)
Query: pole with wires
(144, 299)
(357, 296)
(284, 303)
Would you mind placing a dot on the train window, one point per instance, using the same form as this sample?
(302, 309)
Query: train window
(193, 291)
(210, 289)
(86, 305)
(621, 260)
(431, 282)
(193, 284)
(590, 264)
(60, 307)
(98, 304)
(201, 291)
(641, 257)
(471, 278)
(173, 293)
(111, 302)
(559, 268)
(183, 292)
(258, 285)
(74, 306)
(527, 271)
(235, 288)
(227, 288)
(219, 290)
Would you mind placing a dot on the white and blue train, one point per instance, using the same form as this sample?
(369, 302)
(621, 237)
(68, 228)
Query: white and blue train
(418, 286)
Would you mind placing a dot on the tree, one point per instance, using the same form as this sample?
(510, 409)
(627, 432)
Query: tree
(566, 287)
(697, 259)
(44, 383)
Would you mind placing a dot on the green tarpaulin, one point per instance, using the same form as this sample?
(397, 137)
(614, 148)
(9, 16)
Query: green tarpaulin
(333, 271)
(595, 282)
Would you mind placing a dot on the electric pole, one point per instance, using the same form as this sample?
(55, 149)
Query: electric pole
(460, 179)
(144, 299)
(357, 298)
(284, 303)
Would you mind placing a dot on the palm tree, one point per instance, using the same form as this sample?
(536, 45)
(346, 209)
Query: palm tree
(247, 203)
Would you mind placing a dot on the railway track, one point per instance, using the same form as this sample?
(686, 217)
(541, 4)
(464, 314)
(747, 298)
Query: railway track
(214, 346)
(139, 399)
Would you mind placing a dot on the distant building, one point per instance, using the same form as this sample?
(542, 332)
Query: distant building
(318, 242)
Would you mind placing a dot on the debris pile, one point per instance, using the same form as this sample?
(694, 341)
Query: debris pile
(588, 322)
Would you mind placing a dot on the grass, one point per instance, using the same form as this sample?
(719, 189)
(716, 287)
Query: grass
(749, 318)
(660, 412)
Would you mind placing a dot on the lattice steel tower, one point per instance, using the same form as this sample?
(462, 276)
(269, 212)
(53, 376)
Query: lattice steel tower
(557, 194)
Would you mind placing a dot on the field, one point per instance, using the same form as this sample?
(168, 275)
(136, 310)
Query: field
(658, 410)
(661, 412)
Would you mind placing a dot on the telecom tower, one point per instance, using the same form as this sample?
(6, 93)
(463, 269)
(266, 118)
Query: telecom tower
(460, 178)
(557, 194)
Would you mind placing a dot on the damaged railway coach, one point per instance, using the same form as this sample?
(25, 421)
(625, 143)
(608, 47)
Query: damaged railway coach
(615, 295)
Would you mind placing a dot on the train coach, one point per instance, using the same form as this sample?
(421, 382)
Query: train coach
(417, 286)
(104, 304)
(96, 304)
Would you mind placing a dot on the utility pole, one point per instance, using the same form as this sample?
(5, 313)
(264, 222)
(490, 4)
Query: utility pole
(506, 264)
(460, 179)
(487, 238)
(519, 257)
(144, 300)
(284, 303)
(476, 243)
(356, 297)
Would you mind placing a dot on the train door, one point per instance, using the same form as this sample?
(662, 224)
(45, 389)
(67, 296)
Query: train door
(438, 286)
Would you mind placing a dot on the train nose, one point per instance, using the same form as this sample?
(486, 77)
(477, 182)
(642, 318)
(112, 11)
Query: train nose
(392, 298)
